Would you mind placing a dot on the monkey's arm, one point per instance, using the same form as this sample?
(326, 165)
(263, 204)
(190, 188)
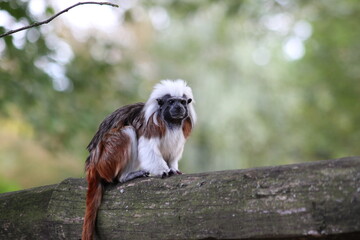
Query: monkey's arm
(150, 157)
(173, 162)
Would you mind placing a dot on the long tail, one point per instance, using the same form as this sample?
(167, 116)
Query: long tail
(93, 201)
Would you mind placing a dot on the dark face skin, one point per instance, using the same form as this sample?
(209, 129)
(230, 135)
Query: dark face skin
(174, 109)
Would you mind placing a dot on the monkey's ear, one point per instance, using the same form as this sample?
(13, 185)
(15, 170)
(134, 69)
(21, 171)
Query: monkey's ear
(189, 100)
(160, 101)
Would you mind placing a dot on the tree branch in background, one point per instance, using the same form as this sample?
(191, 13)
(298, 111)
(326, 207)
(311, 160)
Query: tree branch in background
(36, 24)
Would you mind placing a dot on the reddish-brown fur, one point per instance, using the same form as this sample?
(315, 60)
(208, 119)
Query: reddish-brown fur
(187, 127)
(114, 155)
(107, 161)
(153, 130)
(93, 201)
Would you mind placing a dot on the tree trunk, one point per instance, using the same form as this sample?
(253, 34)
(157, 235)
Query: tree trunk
(315, 200)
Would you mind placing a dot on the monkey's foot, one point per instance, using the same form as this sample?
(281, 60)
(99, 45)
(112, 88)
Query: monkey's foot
(137, 174)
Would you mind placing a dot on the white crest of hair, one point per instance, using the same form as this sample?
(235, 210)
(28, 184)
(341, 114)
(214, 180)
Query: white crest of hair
(175, 88)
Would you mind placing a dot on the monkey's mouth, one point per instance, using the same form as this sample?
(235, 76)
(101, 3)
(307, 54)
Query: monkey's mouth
(178, 114)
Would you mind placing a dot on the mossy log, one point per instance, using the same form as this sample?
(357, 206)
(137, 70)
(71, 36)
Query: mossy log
(318, 200)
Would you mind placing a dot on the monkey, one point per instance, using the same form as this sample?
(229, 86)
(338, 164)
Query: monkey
(138, 140)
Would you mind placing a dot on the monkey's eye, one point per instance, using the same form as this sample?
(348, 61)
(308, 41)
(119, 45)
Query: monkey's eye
(183, 102)
(171, 101)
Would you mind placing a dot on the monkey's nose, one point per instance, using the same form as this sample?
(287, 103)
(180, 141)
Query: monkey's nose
(177, 112)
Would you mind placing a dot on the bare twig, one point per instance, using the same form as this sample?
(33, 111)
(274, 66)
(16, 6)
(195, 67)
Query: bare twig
(36, 24)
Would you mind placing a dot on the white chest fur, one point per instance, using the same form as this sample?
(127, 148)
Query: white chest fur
(159, 155)
(172, 145)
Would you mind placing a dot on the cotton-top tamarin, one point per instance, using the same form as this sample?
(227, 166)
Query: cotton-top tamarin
(137, 140)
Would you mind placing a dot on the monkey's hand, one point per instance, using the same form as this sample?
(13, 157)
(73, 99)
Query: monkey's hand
(170, 173)
(174, 172)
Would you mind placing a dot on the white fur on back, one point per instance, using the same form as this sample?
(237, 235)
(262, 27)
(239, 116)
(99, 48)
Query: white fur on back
(176, 88)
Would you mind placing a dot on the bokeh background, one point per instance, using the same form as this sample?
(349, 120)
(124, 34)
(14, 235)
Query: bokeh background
(275, 82)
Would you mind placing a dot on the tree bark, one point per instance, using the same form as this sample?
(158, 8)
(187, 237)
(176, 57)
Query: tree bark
(318, 200)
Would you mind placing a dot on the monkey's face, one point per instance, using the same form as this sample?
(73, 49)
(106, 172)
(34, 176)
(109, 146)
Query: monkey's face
(174, 109)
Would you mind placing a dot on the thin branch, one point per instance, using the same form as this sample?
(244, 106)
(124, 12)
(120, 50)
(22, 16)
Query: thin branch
(36, 24)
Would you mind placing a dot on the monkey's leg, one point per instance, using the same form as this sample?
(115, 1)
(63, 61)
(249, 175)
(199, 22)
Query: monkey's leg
(133, 175)
(130, 172)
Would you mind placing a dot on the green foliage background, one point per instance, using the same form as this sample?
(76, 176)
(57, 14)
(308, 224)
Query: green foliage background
(257, 105)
